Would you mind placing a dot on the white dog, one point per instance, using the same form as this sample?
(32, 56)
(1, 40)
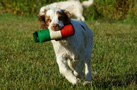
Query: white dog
(73, 6)
(74, 52)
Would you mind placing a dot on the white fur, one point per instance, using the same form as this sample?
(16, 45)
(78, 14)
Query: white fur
(87, 3)
(73, 6)
(54, 18)
(74, 52)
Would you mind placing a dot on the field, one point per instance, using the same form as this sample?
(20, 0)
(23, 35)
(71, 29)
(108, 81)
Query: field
(32, 66)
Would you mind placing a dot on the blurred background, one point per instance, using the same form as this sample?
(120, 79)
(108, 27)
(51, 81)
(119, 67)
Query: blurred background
(104, 10)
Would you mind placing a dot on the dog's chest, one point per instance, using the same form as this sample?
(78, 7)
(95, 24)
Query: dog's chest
(65, 50)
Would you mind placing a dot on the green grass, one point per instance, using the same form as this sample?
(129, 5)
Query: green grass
(28, 65)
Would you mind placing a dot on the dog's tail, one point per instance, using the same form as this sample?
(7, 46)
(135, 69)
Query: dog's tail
(87, 3)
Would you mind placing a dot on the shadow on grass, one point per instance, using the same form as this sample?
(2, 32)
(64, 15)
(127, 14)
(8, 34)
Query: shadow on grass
(110, 81)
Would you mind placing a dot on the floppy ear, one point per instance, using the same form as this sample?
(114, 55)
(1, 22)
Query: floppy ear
(67, 17)
(41, 18)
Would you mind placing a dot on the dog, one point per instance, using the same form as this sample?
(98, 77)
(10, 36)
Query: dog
(74, 52)
(75, 7)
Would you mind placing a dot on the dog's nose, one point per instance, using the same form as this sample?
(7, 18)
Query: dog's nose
(55, 26)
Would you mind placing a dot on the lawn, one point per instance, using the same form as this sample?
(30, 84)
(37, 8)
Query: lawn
(28, 65)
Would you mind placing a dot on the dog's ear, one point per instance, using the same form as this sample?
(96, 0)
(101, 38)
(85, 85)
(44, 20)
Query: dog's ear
(41, 18)
(67, 17)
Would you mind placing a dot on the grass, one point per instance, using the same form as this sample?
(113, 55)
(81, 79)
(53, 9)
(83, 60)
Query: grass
(29, 65)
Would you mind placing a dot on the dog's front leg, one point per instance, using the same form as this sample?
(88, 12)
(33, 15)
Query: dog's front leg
(65, 71)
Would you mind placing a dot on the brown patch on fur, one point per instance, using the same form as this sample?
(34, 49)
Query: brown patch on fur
(42, 21)
(61, 16)
(65, 17)
(48, 20)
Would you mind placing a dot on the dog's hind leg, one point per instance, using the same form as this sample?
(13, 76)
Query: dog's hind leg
(80, 17)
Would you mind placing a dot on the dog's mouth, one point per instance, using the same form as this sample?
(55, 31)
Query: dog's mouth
(56, 27)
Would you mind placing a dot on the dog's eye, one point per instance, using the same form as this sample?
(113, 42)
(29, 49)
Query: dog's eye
(59, 18)
(48, 20)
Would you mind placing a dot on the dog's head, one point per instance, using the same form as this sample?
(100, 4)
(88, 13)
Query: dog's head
(54, 19)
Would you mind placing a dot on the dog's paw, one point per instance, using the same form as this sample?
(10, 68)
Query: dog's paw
(76, 81)
(87, 83)
(79, 75)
